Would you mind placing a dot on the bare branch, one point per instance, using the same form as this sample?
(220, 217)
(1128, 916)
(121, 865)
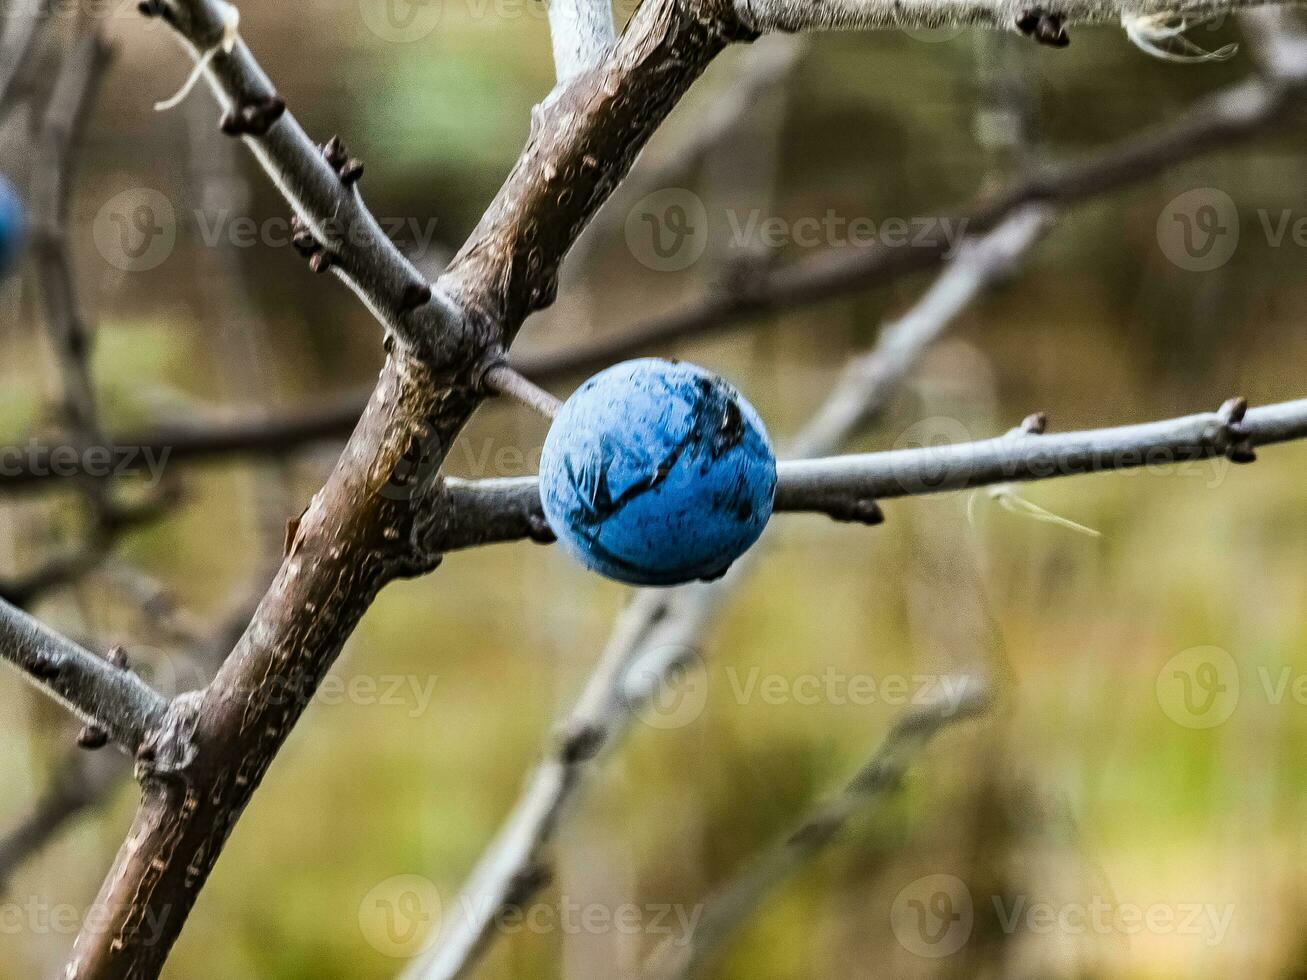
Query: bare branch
(331, 207)
(61, 132)
(802, 15)
(490, 511)
(805, 484)
(102, 694)
(493, 511)
(955, 699)
(84, 780)
(358, 533)
(503, 379)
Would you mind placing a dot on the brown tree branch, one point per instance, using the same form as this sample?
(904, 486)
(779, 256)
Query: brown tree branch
(332, 209)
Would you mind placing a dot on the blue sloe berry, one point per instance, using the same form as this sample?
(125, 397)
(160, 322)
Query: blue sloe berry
(657, 472)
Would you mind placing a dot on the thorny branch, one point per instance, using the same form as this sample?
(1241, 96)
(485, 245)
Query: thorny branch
(209, 751)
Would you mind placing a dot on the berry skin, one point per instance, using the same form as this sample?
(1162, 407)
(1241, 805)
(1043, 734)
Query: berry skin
(13, 227)
(656, 473)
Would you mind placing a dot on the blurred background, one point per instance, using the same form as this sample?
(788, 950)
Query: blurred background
(1100, 822)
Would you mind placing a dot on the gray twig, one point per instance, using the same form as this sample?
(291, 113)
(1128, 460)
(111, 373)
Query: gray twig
(955, 699)
(105, 695)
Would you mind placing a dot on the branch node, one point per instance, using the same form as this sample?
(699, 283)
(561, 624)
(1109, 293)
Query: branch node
(118, 657)
(348, 169)
(1035, 425)
(416, 296)
(580, 744)
(334, 152)
(92, 738)
(292, 530)
(1044, 27)
(351, 172)
(538, 529)
(1239, 448)
(303, 239)
(852, 510)
(169, 749)
(253, 118)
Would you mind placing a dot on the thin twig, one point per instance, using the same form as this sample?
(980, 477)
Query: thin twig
(361, 254)
(61, 132)
(504, 380)
(104, 695)
(1229, 432)
(955, 699)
